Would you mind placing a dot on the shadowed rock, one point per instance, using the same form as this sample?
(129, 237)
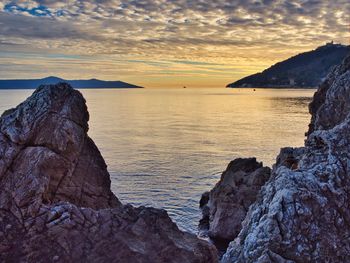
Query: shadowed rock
(303, 212)
(226, 205)
(55, 197)
(331, 108)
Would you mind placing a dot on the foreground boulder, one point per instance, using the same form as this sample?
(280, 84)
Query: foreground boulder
(226, 205)
(55, 197)
(303, 212)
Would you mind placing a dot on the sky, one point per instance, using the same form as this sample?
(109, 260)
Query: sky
(158, 43)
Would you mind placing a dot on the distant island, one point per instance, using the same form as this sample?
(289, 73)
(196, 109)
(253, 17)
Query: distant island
(78, 84)
(305, 70)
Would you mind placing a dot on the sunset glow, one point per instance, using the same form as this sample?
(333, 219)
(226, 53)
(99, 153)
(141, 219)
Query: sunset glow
(162, 43)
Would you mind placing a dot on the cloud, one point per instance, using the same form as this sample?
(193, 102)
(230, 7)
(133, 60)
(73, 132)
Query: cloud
(213, 32)
(200, 22)
(27, 27)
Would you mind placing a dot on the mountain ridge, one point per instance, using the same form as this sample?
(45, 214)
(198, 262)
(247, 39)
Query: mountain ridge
(79, 83)
(304, 70)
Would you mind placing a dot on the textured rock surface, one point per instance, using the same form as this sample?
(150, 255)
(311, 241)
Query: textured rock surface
(226, 205)
(303, 212)
(330, 108)
(55, 197)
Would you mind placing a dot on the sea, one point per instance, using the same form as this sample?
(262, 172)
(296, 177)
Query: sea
(165, 147)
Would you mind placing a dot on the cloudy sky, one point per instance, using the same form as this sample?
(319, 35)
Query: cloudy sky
(159, 43)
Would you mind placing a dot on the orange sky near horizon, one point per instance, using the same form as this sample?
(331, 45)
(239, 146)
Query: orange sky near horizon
(162, 43)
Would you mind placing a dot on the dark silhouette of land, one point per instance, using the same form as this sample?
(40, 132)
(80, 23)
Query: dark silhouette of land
(305, 70)
(78, 84)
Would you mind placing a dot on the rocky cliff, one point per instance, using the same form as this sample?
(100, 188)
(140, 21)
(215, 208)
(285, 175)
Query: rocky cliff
(55, 199)
(302, 213)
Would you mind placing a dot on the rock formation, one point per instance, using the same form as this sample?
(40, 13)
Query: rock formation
(226, 205)
(55, 199)
(302, 213)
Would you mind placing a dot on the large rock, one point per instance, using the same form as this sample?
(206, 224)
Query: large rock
(329, 108)
(303, 212)
(55, 197)
(226, 205)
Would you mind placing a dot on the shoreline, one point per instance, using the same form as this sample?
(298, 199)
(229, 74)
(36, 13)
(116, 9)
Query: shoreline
(57, 202)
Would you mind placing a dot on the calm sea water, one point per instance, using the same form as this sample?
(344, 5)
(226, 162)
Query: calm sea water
(165, 147)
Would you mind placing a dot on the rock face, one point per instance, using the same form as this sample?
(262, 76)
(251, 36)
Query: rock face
(303, 212)
(226, 205)
(331, 108)
(55, 199)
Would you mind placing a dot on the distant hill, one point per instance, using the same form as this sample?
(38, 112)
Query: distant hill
(305, 70)
(78, 84)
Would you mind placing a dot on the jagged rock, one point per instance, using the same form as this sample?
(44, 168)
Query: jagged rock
(331, 108)
(226, 205)
(55, 199)
(289, 157)
(303, 212)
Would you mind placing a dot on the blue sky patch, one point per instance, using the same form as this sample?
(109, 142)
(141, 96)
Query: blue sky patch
(37, 11)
